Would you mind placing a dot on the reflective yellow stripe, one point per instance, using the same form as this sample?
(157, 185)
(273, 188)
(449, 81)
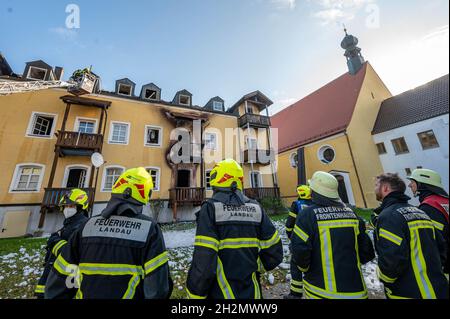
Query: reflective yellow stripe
(131, 290)
(295, 289)
(303, 269)
(58, 246)
(62, 266)
(256, 284)
(110, 269)
(79, 294)
(385, 278)
(420, 266)
(333, 295)
(208, 242)
(310, 296)
(236, 243)
(261, 269)
(192, 296)
(156, 262)
(289, 229)
(391, 296)
(338, 223)
(390, 236)
(40, 289)
(296, 282)
(265, 244)
(327, 259)
(292, 214)
(300, 233)
(438, 225)
(223, 282)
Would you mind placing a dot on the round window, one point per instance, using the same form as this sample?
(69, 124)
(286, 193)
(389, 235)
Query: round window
(326, 154)
(294, 160)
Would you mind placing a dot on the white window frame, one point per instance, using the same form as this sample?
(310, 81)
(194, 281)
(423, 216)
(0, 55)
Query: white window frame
(156, 186)
(260, 179)
(79, 119)
(35, 67)
(30, 127)
(206, 187)
(124, 84)
(160, 138)
(111, 126)
(102, 189)
(184, 95)
(320, 152)
(217, 108)
(75, 166)
(15, 178)
(215, 139)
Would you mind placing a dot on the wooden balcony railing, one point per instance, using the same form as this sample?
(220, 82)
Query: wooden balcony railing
(52, 196)
(81, 141)
(262, 192)
(254, 120)
(258, 156)
(193, 195)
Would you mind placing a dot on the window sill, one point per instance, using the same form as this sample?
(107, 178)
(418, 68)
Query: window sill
(403, 153)
(118, 143)
(48, 137)
(152, 145)
(429, 148)
(15, 191)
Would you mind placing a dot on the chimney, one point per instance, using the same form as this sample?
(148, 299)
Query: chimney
(59, 72)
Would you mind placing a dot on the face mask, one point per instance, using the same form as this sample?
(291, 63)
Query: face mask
(69, 212)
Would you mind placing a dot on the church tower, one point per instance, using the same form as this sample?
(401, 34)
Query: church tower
(353, 54)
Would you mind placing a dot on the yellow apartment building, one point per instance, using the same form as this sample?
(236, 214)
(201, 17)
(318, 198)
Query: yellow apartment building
(47, 138)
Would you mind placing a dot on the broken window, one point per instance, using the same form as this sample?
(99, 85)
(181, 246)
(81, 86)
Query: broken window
(42, 125)
(35, 73)
(124, 89)
(153, 136)
(151, 94)
(217, 106)
(185, 99)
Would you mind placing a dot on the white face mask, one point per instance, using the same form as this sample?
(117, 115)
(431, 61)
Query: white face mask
(69, 212)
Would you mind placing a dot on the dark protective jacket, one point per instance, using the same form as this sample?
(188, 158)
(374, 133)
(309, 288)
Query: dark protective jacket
(54, 244)
(119, 254)
(435, 205)
(409, 261)
(329, 244)
(296, 207)
(234, 242)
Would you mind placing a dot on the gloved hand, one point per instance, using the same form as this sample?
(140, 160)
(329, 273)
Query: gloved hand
(53, 240)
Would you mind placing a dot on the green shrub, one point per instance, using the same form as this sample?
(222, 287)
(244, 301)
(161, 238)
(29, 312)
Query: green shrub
(273, 206)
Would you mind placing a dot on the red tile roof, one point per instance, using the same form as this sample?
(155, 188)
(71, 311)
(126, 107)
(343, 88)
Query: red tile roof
(323, 113)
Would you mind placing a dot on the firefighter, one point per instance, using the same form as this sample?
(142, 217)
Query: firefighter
(329, 244)
(426, 184)
(303, 201)
(74, 207)
(409, 264)
(234, 241)
(118, 254)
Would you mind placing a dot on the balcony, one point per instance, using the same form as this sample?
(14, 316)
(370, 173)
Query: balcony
(258, 156)
(192, 195)
(78, 144)
(52, 196)
(254, 120)
(262, 192)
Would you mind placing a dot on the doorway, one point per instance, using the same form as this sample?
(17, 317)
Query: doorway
(341, 189)
(344, 187)
(183, 178)
(76, 178)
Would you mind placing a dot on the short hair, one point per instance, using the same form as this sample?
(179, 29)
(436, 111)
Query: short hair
(393, 180)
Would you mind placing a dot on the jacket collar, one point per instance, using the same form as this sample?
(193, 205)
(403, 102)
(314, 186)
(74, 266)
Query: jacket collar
(325, 201)
(230, 197)
(118, 206)
(425, 190)
(392, 199)
(77, 217)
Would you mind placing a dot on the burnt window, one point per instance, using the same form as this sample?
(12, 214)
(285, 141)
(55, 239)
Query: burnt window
(185, 99)
(151, 94)
(35, 73)
(124, 89)
(152, 136)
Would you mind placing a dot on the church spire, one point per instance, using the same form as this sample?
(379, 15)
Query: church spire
(355, 60)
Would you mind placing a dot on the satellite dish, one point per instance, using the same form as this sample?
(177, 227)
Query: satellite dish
(97, 159)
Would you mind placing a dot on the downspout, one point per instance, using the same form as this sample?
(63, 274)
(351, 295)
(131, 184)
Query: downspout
(301, 167)
(356, 170)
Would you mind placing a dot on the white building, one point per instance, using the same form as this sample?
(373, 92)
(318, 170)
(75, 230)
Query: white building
(412, 131)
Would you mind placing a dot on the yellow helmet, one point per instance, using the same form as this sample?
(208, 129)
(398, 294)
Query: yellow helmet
(324, 184)
(304, 192)
(135, 183)
(426, 176)
(227, 173)
(75, 197)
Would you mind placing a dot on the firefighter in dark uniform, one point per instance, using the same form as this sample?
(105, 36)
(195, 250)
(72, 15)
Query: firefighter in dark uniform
(303, 201)
(427, 185)
(118, 254)
(409, 261)
(329, 244)
(235, 241)
(73, 205)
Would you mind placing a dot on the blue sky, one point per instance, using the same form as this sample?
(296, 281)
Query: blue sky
(285, 48)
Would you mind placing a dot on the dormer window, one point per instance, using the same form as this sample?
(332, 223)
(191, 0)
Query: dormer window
(184, 99)
(151, 94)
(124, 89)
(217, 106)
(35, 73)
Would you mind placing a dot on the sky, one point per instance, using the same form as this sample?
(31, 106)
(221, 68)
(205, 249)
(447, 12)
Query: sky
(285, 48)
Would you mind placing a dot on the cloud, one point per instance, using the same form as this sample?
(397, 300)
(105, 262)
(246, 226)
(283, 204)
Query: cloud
(337, 11)
(284, 4)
